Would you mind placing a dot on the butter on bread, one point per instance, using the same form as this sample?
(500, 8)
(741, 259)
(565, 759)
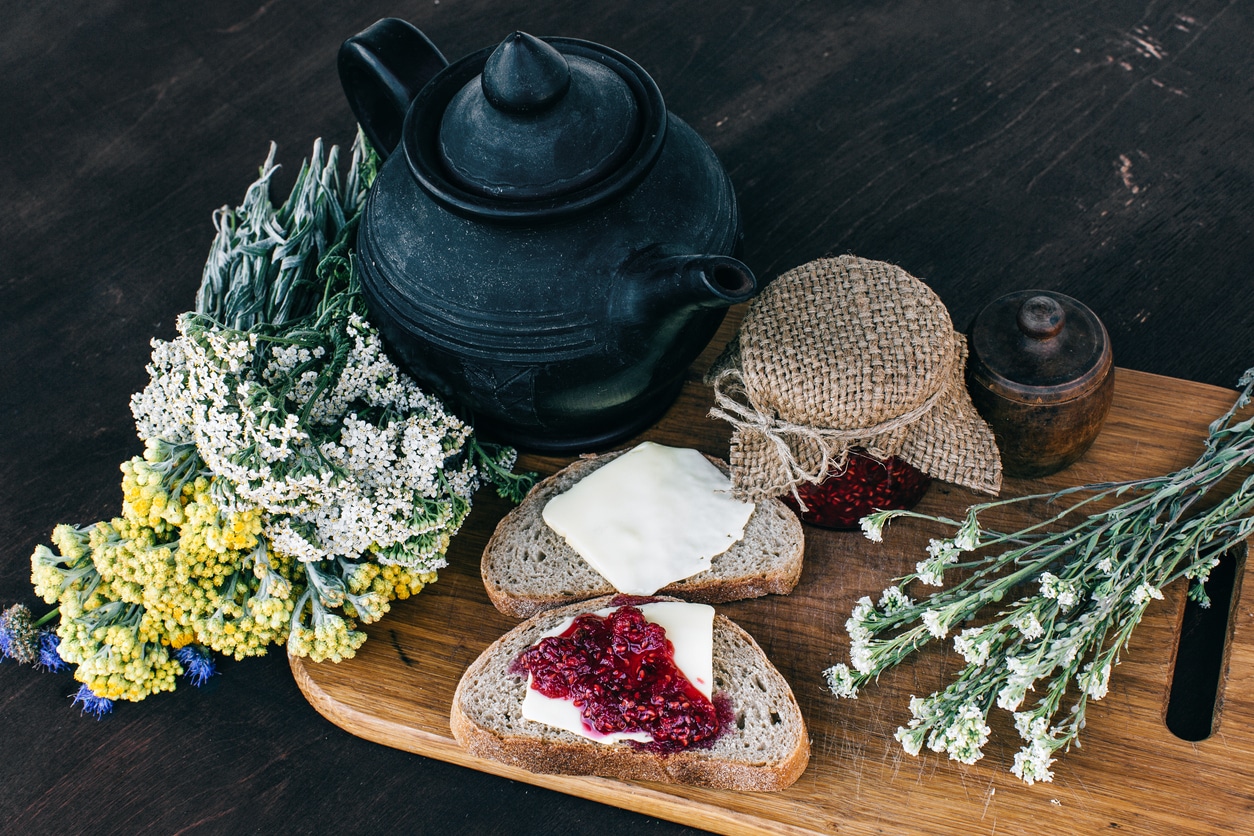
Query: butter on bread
(527, 567)
(766, 747)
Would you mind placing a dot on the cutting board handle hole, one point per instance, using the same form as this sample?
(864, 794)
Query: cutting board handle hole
(1201, 666)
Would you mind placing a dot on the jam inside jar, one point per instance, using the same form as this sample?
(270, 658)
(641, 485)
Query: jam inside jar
(866, 484)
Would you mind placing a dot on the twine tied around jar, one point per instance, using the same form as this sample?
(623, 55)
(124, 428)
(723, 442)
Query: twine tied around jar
(842, 353)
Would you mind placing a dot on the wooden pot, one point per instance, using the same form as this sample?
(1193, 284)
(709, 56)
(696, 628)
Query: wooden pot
(1040, 373)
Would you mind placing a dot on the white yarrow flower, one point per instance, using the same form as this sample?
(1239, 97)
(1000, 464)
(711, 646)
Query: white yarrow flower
(857, 630)
(1049, 585)
(934, 621)
(1095, 683)
(894, 600)
(972, 646)
(966, 541)
(968, 537)
(911, 739)
(931, 572)
(841, 681)
(872, 528)
(1022, 677)
(1027, 624)
(861, 656)
(1032, 764)
(928, 573)
(1064, 592)
(1029, 725)
(943, 550)
(873, 524)
(863, 608)
(1144, 593)
(350, 495)
(859, 621)
(966, 736)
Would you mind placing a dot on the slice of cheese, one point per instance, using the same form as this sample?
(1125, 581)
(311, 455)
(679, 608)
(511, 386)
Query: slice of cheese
(690, 628)
(653, 516)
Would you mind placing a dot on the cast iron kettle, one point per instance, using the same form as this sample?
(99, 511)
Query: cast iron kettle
(545, 245)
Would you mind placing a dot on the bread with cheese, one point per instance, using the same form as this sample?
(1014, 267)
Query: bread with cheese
(527, 567)
(764, 750)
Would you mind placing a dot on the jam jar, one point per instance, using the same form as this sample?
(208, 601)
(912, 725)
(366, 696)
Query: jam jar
(866, 484)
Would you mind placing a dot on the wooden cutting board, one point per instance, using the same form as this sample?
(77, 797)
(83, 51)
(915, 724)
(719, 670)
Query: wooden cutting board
(1132, 775)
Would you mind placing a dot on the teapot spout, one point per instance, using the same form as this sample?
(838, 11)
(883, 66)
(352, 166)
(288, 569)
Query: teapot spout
(686, 282)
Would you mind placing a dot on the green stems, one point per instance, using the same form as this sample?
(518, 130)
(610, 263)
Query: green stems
(1095, 573)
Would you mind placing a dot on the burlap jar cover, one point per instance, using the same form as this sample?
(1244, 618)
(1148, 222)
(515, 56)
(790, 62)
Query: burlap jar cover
(842, 353)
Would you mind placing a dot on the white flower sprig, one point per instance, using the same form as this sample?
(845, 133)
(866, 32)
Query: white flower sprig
(1083, 583)
(367, 466)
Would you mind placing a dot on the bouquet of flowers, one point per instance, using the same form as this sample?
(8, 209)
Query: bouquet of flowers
(293, 483)
(1079, 585)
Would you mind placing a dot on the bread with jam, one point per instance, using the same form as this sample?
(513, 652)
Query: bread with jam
(527, 567)
(762, 745)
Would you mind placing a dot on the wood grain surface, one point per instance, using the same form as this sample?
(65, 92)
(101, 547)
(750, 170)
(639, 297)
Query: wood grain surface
(1126, 775)
(1104, 150)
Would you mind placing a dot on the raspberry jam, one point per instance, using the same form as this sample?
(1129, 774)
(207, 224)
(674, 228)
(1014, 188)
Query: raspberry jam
(620, 671)
(867, 484)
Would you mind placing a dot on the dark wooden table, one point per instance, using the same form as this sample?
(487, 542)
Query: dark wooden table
(1105, 150)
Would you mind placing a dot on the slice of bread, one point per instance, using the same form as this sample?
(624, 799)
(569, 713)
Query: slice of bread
(527, 567)
(765, 750)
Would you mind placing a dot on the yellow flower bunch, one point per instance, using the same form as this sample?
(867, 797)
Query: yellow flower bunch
(175, 569)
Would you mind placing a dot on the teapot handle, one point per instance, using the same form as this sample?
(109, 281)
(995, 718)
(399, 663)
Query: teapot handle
(382, 68)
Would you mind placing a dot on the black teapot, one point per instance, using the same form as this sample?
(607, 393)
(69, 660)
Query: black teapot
(545, 245)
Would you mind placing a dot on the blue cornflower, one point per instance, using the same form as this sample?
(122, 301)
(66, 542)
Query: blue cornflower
(49, 658)
(92, 704)
(197, 663)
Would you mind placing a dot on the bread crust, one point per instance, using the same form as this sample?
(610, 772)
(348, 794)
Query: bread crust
(707, 587)
(567, 754)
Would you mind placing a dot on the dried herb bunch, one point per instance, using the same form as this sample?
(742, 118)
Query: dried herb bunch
(1091, 576)
(294, 481)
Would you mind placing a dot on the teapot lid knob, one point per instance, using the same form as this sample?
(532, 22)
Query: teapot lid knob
(525, 74)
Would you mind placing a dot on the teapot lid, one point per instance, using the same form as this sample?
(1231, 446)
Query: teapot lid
(537, 123)
(535, 127)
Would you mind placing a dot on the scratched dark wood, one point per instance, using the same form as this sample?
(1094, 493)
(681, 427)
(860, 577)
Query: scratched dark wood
(1105, 150)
